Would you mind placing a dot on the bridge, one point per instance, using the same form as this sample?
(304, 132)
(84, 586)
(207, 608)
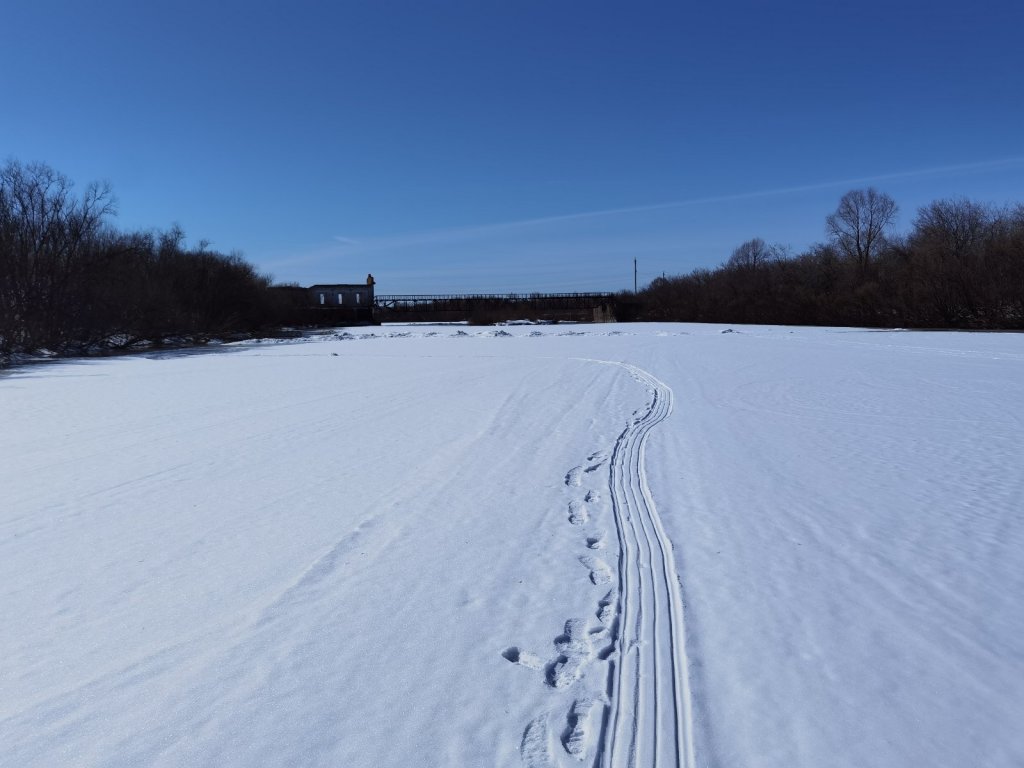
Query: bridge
(461, 301)
(497, 306)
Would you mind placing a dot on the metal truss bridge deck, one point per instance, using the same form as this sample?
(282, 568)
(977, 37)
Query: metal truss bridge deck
(460, 302)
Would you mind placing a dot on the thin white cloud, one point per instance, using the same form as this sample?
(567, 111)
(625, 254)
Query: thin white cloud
(469, 233)
(460, 233)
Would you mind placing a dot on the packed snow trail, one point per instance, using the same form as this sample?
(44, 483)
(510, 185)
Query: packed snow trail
(649, 721)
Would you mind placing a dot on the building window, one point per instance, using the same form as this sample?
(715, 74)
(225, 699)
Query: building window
(358, 295)
(340, 299)
(321, 299)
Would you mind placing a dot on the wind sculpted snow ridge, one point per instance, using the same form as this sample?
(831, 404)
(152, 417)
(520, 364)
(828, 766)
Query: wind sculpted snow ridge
(649, 719)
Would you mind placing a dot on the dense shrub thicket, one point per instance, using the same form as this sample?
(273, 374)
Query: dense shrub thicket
(71, 282)
(960, 266)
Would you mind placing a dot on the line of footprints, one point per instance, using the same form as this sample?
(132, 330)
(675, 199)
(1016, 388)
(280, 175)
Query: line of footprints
(583, 641)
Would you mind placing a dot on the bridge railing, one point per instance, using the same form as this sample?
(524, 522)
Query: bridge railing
(393, 301)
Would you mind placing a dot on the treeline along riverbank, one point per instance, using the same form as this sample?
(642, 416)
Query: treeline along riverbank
(961, 265)
(72, 283)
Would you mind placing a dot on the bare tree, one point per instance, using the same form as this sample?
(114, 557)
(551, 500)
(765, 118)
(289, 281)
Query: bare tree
(951, 239)
(755, 253)
(47, 234)
(959, 227)
(859, 224)
(70, 282)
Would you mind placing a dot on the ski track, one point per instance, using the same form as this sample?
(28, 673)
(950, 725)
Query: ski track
(649, 721)
(642, 717)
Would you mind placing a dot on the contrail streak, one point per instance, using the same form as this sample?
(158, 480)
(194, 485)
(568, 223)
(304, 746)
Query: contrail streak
(471, 231)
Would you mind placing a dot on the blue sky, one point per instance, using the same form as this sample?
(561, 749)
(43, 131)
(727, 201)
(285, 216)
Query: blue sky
(513, 145)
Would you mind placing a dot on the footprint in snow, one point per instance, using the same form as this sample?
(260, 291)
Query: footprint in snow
(575, 649)
(534, 748)
(578, 514)
(600, 573)
(576, 738)
(574, 477)
(523, 658)
(606, 607)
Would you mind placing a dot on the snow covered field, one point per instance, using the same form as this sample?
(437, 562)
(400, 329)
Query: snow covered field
(539, 546)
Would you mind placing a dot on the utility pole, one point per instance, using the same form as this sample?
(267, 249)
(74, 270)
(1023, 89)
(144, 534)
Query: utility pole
(634, 274)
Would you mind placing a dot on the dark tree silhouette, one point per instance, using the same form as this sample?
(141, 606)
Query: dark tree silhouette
(858, 226)
(69, 282)
(962, 265)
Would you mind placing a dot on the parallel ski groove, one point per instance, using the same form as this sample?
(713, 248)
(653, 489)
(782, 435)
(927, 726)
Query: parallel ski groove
(649, 722)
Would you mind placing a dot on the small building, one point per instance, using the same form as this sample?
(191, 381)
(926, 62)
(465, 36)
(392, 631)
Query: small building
(344, 302)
